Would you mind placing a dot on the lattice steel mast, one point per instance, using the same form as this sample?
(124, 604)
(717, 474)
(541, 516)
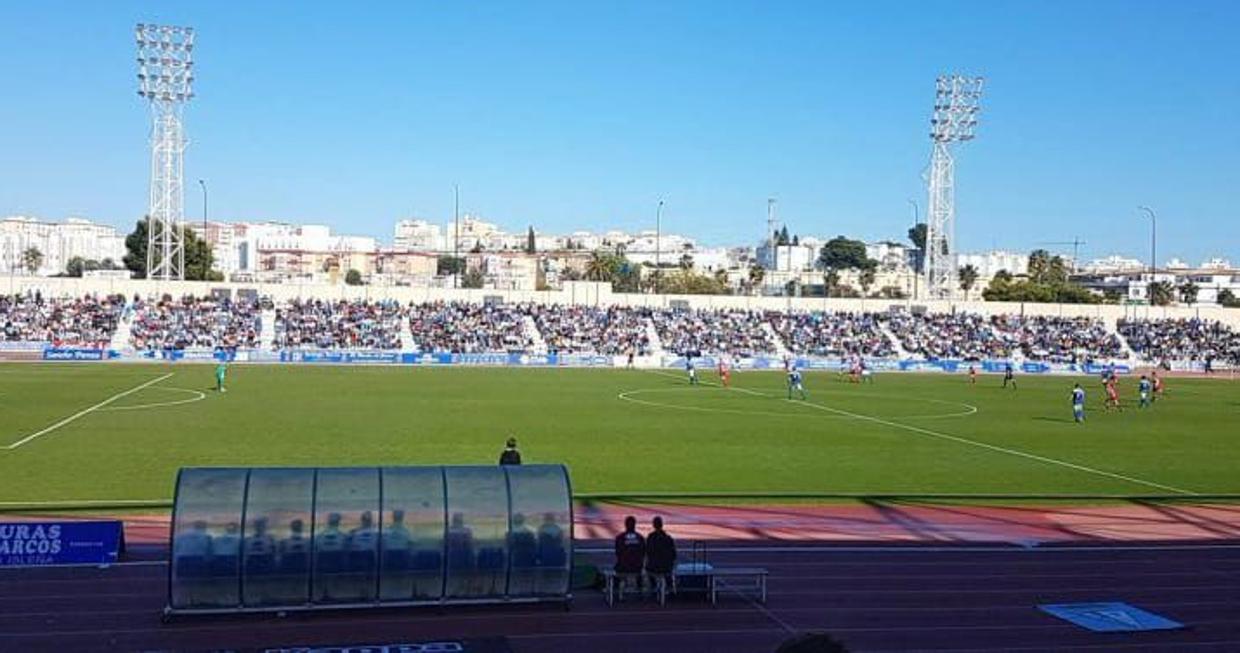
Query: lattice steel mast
(165, 80)
(957, 101)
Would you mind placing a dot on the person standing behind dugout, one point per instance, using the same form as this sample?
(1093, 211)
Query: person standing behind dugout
(510, 455)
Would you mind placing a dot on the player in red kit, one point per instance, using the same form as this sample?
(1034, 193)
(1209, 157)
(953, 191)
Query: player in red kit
(1112, 395)
(725, 372)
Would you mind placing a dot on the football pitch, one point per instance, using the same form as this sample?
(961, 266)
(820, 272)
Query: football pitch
(119, 432)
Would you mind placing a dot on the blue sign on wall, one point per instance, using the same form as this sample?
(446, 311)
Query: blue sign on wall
(76, 354)
(58, 543)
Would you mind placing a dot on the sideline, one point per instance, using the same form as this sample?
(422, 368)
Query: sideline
(87, 411)
(959, 440)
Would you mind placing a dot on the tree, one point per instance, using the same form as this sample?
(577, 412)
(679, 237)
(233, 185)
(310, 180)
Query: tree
(796, 240)
(198, 255)
(32, 259)
(829, 281)
(841, 253)
(1228, 299)
(917, 235)
(1161, 293)
(1044, 268)
(75, 267)
(472, 279)
(353, 277)
(756, 274)
(866, 279)
(968, 277)
(1188, 293)
(686, 261)
(892, 292)
(530, 246)
(477, 248)
(449, 265)
(782, 237)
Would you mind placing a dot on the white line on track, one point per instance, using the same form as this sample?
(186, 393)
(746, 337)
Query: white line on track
(955, 438)
(87, 411)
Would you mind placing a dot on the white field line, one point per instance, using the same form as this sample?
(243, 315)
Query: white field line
(160, 404)
(87, 411)
(993, 447)
(629, 395)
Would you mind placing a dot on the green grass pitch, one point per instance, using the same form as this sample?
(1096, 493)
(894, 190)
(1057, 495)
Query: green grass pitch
(618, 430)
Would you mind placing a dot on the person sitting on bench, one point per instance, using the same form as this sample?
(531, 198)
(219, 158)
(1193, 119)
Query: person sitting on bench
(660, 552)
(630, 553)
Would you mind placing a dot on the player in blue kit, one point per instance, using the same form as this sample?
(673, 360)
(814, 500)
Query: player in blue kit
(794, 382)
(691, 370)
(1078, 403)
(1144, 392)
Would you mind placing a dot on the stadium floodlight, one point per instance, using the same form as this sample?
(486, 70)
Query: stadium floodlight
(166, 82)
(957, 103)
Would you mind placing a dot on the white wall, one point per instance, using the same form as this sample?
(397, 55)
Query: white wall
(582, 292)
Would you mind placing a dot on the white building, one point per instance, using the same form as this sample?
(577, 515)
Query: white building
(1113, 264)
(58, 242)
(420, 236)
(237, 246)
(990, 263)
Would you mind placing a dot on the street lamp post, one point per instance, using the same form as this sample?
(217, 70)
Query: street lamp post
(203, 184)
(921, 250)
(1153, 251)
(658, 247)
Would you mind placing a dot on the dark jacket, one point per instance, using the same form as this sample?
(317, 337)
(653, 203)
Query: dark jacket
(510, 457)
(630, 552)
(660, 552)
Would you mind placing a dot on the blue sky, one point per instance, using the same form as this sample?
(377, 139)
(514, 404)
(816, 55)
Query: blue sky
(582, 114)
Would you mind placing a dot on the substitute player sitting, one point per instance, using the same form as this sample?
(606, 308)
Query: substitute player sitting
(1078, 403)
(794, 382)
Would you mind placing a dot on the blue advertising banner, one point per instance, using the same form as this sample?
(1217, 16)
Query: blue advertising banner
(76, 354)
(57, 543)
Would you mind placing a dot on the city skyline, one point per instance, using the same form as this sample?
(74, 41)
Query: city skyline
(303, 119)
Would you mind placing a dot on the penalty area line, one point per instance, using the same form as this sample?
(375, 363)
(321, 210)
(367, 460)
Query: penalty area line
(86, 411)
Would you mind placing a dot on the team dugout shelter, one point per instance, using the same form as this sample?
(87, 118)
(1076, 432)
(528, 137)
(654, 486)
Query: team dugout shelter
(264, 539)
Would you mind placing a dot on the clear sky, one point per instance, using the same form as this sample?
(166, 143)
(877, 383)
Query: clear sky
(580, 115)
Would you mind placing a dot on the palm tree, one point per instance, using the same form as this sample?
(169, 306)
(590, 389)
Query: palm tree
(1188, 293)
(597, 268)
(968, 277)
(1161, 293)
(32, 259)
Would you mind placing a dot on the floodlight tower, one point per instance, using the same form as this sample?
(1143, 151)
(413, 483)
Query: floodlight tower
(957, 100)
(165, 80)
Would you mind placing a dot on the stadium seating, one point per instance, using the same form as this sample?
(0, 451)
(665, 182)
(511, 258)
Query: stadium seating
(192, 322)
(1193, 340)
(76, 322)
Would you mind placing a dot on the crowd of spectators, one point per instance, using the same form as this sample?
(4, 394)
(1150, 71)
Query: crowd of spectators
(610, 331)
(831, 334)
(964, 336)
(1058, 339)
(341, 324)
(463, 328)
(1182, 340)
(87, 321)
(194, 322)
(732, 332)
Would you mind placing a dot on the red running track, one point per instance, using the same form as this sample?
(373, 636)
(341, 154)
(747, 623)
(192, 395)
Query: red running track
(874, 598)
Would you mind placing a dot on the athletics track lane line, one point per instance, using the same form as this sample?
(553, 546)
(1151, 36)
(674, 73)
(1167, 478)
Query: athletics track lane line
(87, 411)
(957, 439)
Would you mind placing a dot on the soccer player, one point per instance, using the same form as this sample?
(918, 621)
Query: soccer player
(867, 374)
(794, 382)
(1158, 386)
(1078, 403)
(1112, 396)
(691, 370)
(972, 375)
(725, 372)
(221, 370)
(1143, 392)
(1009, 375)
